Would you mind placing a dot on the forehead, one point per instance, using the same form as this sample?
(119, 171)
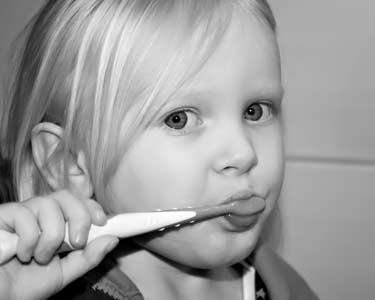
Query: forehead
(247, 59)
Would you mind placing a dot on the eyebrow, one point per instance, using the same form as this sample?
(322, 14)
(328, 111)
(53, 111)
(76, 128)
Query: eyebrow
(188, 95)
(271, 92)
(275, 92)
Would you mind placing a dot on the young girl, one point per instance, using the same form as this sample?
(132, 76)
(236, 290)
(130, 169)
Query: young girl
(145, 105)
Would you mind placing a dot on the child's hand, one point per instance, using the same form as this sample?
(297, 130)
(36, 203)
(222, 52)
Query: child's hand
(40, 225)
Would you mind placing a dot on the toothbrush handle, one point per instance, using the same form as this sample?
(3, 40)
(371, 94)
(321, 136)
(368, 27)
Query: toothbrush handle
(9, 243)
(122, 226)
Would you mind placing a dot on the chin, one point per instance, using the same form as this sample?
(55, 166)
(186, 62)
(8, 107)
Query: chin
(212, 258)
(210, 252)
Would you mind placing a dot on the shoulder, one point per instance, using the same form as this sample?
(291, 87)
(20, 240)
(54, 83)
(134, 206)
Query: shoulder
(106, 282)
(282, 280)
(81, 289)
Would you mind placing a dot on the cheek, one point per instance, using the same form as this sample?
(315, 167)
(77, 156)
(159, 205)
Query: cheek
(270, 151)
(157, 175)
(269, 173)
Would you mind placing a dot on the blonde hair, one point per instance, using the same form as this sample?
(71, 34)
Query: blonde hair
(102, 69)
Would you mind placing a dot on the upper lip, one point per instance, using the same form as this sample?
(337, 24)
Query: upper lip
(244, 203)
(243, 194)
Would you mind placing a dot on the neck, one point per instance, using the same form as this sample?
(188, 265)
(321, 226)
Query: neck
(158, 278)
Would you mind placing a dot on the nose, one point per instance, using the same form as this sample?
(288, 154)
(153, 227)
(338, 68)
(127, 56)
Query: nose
(235, 154)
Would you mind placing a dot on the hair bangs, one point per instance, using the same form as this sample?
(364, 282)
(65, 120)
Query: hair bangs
(103, 70)
(152, 59)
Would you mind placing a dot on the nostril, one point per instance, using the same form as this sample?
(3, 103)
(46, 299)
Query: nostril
(230, 170)
(236, 155)
(240, 164)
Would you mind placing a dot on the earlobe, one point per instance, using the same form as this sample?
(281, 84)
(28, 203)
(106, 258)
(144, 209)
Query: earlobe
(49, 158)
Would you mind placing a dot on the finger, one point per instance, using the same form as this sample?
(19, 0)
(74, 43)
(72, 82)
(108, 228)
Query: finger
(16, 217)
(77, 215)
(98, 216)
(79, 262)
(52, 226)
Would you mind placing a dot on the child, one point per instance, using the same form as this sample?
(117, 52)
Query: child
(146, 105)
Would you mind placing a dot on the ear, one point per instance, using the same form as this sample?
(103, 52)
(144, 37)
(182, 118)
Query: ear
(49, 159)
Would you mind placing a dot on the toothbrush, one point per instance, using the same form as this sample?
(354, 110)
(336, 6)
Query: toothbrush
(131, 224)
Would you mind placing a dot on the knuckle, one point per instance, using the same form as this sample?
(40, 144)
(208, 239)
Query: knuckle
(36, 199)
(30, 239)
(37, 203)
(27, 242)
(82, 217)
(42, 201)
(63, 193)
(24, 211)
(53, 237)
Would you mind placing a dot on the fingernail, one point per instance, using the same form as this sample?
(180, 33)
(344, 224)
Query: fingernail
(101, 217)
(80, 238)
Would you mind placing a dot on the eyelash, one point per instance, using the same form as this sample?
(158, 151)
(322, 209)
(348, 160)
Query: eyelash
(272, 111)
(182, 131)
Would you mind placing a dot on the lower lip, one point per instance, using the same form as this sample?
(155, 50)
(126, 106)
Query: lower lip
(242, 223)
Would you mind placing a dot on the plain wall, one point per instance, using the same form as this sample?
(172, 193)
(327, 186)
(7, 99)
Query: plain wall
(328, 199)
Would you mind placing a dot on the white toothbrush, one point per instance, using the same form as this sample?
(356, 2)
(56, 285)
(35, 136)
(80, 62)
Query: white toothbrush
(132, 224)
(122, 225)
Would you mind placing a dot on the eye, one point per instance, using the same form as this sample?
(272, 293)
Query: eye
(258, 112)
(182, 120)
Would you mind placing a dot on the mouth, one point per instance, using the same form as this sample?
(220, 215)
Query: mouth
(245, 203)
(245, 211)
(241, 209)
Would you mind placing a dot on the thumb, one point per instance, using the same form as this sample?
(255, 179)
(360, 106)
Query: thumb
(79, 262)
